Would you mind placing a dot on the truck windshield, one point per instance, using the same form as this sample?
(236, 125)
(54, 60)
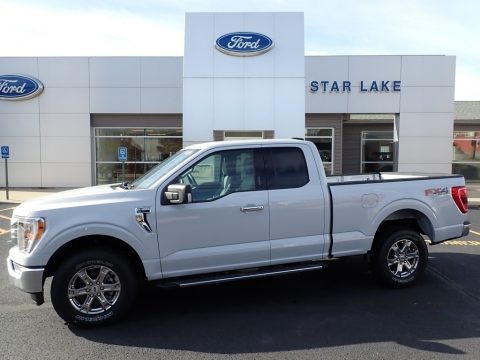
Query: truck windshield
(152, 176)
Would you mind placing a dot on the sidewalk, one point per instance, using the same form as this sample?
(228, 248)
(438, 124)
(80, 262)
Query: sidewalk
(473, 193)
(19, 195)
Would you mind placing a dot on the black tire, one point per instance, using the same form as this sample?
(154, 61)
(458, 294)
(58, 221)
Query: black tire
(93, 288)
(400, 257)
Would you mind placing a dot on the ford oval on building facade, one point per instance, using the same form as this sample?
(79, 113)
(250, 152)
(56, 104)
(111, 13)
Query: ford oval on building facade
(244, 44)
(19, 87)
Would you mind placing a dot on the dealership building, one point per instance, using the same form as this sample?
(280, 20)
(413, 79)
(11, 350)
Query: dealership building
(242, 76)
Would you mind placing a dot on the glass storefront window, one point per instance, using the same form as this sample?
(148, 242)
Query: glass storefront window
(323, 140)
(466, 154)
(377, 151)
(146, 148)
(243, 135)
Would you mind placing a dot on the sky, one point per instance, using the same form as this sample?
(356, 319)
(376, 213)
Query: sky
(333, 27)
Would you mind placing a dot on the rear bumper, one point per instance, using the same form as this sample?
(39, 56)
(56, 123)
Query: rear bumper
(29, 280)
(466, 228)
(465, 232)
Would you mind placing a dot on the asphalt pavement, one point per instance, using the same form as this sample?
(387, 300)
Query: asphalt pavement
(337, 313)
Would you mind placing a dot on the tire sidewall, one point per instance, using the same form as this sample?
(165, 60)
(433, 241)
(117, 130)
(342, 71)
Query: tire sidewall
(381, 268)
(62, 277)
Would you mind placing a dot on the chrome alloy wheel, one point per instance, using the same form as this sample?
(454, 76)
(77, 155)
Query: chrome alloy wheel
(403, 258)
(94, 289)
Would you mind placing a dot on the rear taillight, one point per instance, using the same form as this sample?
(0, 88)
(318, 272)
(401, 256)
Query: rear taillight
(459, 195)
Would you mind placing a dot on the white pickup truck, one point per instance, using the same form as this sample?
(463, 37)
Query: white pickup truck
(226, 211)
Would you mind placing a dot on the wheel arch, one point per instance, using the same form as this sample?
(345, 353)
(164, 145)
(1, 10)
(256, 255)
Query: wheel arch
(404, 218)
(91, 242)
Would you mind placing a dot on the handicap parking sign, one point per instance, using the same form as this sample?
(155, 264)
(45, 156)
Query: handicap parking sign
(5, 152)
(122, 153)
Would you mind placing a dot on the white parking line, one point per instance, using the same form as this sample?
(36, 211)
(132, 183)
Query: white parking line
(3, 231)
(7, 209)
(5, 217)
(474, 232)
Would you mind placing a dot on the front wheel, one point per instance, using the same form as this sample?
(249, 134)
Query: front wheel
(401, 258)
(93, 288)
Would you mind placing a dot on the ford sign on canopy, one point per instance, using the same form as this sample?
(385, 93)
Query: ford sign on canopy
(244, 43)
(19, 87)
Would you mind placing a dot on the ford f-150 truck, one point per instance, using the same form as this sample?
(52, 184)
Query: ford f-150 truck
(225, 211)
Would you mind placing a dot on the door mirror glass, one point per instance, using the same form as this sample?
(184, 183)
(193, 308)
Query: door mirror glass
(179, 193)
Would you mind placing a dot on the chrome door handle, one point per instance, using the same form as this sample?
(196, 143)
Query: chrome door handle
(250, 208)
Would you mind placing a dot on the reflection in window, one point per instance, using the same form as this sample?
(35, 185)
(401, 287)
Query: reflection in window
(323, 140)
(466, 154)
(377, 151)
(146, 148)
(287, 169)
(220, 174)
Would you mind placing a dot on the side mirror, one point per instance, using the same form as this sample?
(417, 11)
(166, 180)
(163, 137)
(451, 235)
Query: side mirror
(179, 193)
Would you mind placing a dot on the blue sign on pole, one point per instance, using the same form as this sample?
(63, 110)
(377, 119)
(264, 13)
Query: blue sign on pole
(122, 153)
(5, 152)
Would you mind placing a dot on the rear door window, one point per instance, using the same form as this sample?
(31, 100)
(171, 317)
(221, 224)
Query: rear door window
(286, 168)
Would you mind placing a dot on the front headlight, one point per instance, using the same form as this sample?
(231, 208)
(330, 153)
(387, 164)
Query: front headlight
(27, 232)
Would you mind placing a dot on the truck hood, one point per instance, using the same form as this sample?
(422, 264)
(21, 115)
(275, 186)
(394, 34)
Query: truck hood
(83, 197)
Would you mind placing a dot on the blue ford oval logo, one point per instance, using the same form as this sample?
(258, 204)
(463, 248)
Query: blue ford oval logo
(244, 43)
(19, 87)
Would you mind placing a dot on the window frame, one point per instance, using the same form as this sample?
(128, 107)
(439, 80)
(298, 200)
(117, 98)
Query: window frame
(475, 138)
(469, 168)
(332, 151)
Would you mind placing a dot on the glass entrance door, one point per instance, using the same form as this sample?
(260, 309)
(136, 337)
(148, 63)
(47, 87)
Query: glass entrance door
(377, 151)
(323, 140)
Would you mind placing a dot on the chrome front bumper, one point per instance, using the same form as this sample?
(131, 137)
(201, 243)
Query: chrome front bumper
(29, 280)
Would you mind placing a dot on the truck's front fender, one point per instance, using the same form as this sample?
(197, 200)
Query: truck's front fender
(143, 243)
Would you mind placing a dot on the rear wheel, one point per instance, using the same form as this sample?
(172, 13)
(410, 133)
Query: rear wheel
(93, 288)
(400, 258)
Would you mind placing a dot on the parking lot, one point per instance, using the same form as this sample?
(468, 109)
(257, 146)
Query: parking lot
(337, 313)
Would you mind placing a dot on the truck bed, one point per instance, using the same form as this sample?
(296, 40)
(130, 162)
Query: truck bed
(359, 203)
(387, 176)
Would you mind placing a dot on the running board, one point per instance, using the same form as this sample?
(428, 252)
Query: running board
(244, 274)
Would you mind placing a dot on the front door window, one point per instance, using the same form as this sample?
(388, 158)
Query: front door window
(221, 174)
